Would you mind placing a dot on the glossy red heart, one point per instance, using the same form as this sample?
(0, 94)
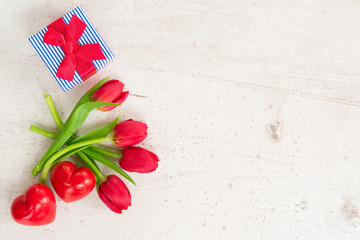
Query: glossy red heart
(36, 207)
(71, 183)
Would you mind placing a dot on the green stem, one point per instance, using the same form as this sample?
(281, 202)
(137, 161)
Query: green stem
(69, 153)
(70, 127)
(84, 159)
(59, 123)
(87, 96)
(86, 153)
(52, 135)
(42, 132)
(54, 113)
(106, 152)
(63, 151)
(91, 165)
(100, 158)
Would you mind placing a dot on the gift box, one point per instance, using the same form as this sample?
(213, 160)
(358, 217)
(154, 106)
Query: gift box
(72, 49)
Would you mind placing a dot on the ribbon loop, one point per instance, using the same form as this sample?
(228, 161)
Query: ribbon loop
(74, 29)
(52, 37)
(76, 57)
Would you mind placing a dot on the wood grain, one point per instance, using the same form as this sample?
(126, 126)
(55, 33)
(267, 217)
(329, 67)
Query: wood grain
(253, 109)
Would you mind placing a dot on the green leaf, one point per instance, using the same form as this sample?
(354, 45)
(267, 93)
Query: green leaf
(52, 135)
(105, 152)
(88, 162)
(63, 134)
(69, 128)
(100, 158)
(68, 154)
(55, 156)
(97, 133)
(87, 96)
(84, 159)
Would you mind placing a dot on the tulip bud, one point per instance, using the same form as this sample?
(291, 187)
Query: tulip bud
(114, 193)
(129, 133)
(111, 91)
(137, 159)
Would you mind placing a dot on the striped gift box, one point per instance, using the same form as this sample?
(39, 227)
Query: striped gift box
(53, 55)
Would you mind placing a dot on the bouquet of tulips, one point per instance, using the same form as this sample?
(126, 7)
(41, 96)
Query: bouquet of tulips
(38, 206)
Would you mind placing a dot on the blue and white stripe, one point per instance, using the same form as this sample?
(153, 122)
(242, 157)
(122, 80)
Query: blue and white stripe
(53, 55)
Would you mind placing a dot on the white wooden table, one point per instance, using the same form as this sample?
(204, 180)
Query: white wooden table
(253, 109)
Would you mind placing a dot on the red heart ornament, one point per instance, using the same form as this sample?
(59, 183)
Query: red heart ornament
(71, 183)
(36, 207)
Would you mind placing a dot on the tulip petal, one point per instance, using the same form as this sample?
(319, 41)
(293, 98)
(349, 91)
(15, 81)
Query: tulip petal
(122, 97)
(119, 100)
(109, 204)
(129, 133)
(137, 159)
(129, 141)
(108, 92)
(114, 193)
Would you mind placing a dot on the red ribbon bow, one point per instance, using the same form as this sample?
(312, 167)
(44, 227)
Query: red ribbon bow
(77, 57)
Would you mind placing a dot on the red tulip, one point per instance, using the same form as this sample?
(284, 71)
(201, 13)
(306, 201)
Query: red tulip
(114, 193)
(129, 133)
(137, 159)
(111, 91)
(71, 183)
(36, 207)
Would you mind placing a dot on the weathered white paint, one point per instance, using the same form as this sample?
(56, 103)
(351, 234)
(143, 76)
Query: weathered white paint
(253, 109)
